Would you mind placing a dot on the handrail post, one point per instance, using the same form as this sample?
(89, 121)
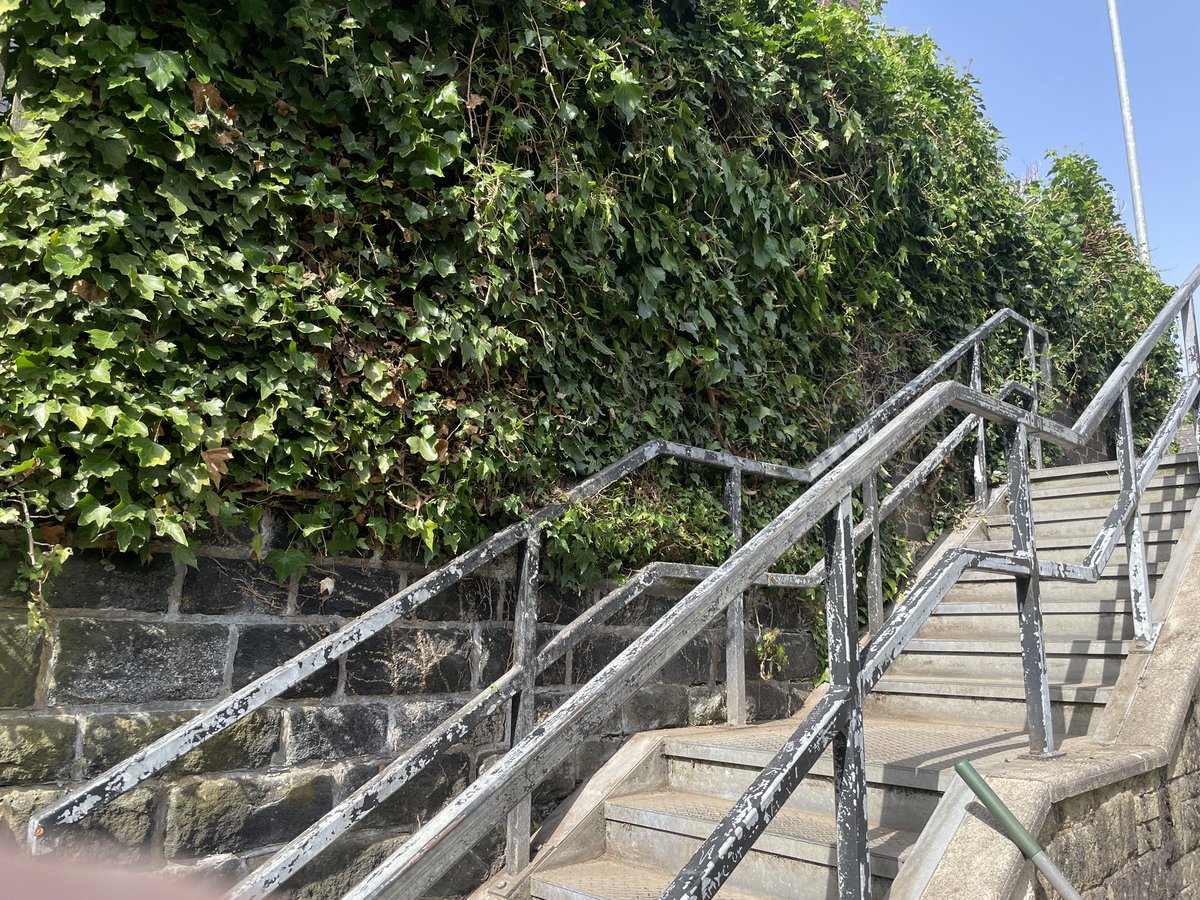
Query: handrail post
(874, 553)
(849, 751)
(735, 621)
(1190, 339)
(981, 472)
(524, 703)
(1034, 405)
(1029, 610)
(1144, 631)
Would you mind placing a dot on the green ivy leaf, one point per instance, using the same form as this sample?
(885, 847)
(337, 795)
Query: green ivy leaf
(149, 453)
(162, 66)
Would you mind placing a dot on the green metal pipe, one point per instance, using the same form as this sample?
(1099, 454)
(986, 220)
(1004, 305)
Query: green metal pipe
(1016, 831)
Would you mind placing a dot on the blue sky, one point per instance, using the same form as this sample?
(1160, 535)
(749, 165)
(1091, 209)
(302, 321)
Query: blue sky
(1046, 72)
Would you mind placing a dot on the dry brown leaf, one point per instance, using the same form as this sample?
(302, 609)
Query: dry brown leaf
(283, 108)
(206, 96)
(215, 462)
(327, 584)
(92, 293)
(228, 137)
(473, 101)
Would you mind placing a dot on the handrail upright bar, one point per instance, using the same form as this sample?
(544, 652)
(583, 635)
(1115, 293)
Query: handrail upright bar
(1029, 611)
(1190, 339)
(735, 614)
(1031, 354)
(874, 552)
(980, 460)
(524, 703)
(849, 751)
(1144, 631)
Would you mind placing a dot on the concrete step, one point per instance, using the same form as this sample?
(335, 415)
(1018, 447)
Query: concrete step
(1001, 703)
(1170, 461)
(888, 805)
(795, 850)
(1153, 500)
(1081, 661)
(1170, 479)
(1107, 588)
(610, 877)
(1000, 617)
(1056, 526)
(1155, 514)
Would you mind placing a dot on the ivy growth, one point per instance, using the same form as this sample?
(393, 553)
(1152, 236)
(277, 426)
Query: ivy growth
(399, 269)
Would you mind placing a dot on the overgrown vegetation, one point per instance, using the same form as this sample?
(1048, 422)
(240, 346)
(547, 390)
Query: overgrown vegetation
(399, 269)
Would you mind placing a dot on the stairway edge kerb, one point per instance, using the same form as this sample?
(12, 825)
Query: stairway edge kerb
(958, 847)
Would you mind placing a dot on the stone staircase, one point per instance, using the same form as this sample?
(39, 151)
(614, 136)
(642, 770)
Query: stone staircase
(955, 693)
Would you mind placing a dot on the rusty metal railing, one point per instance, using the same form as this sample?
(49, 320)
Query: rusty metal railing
(586, 710)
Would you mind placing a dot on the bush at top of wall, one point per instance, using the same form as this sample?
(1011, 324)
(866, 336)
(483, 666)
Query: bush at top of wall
(402, 268)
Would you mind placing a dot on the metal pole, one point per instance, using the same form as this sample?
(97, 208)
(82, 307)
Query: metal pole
(1029, 848)
(1135, 178)
(520, 817)
(981, 470)
(1029, 609)
(848, 748)
(1144, 630)
(735, 615)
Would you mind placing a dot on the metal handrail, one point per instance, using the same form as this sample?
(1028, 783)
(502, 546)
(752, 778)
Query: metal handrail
(837, 718)
(362, 802)
(104, 788)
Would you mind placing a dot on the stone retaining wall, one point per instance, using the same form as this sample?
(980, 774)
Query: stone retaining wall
(1137, 838)
(133, 651)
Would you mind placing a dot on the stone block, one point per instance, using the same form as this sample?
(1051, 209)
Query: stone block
(416, 717)
(423, 796)
(119, 661)
(94, 580)
(596, 652)
(260, 648)
(691, 665)
(225, 586)
(418, 659)
(345, 590)
(20, 659)
(561, 607)
(476, 598)
(495, 655)
(236, 815)
(768, 700)
(249, 744)
(706, 705)
(655, 706)
(36, 749)
(120, 832)
(336, 732)
(495, 652)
